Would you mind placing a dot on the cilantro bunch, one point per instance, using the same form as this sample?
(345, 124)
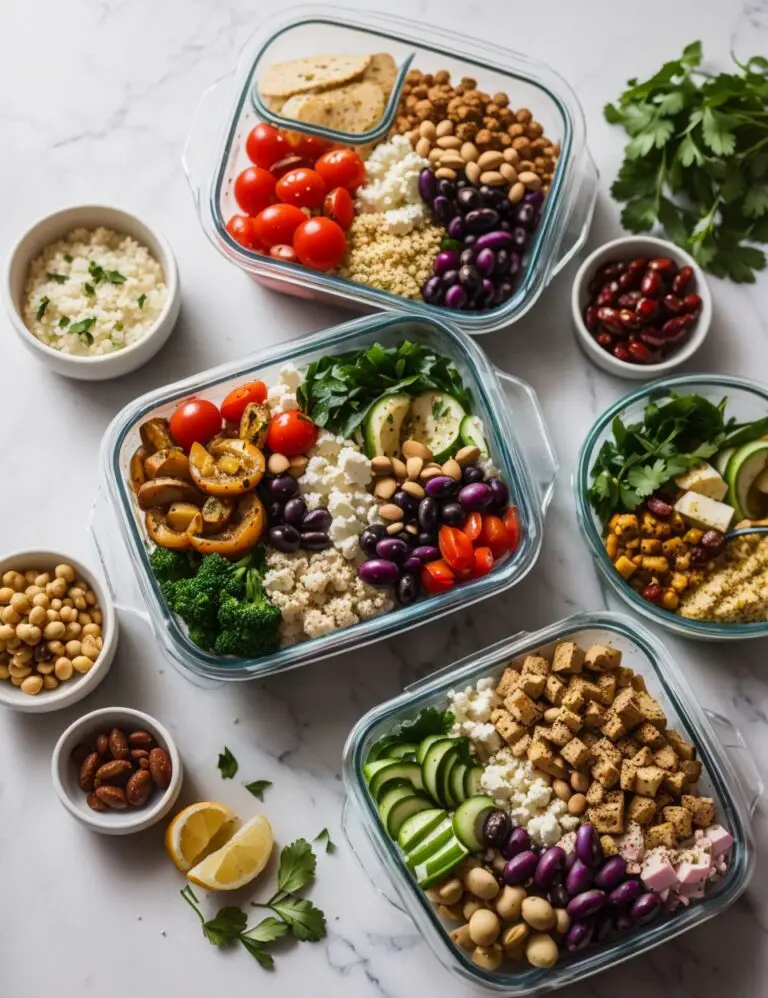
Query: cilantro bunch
(697, 160)
(644, 457)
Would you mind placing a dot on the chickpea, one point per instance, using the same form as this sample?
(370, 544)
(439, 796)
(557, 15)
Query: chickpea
(580, 782)
(4, 672)
(32, 685)
(57, 588)
(462, 938)
(66, 601)
(482, 884)
(54, 630)
(76, 593)
(10, 616)
(13, 643)
(563, 922)
(90, 598)
(92, 630)
(515, 936)
(484, 927)
(91, 650)
(52, 614)
(16, 681)
(577, 805)
(43, 579)
(65, 572)
(72, 630)
(562, 789)
(509, 904)
(6, 632)
(6, 594)
(97, 618)
(29, 634)
(24, 656)
(33, 591)
(50, 682)
(72, 649)
(19, 671)
(551, 714)
(45, 668)
(449, 892)
(452, 912)
(471, 906)
(37, 616)
(56, 604)
(539, 913)
(40, 599)
(8, 580)
(67, 613)
(84, 618)
(487, 957)
(82, 664)
(541, 950)
(56, 648)
(63, 669)
(20, 603)
(30, 577)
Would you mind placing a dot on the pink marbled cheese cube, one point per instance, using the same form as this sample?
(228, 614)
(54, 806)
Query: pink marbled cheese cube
(720, 838)
(693, 872)
(692, 892)
(658, 873)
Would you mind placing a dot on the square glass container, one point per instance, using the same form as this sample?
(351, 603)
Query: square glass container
(518, 443)
(747, 400)
(720, 748)
(214, 152)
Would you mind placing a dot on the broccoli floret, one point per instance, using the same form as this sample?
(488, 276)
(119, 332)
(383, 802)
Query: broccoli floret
(170, 566)
(249, 626)
(196, 599)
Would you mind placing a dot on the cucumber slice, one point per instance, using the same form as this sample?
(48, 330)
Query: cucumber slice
(435, 420)
(432, 768)
(473, 435)
(405, 750)
(744, 468)
(381, 749)
(457, 780)
(396, 770)
(401, 810)
(392, 796)
(416, 828)
(473, 784)
(444, 786)
(384, 423)
(441, 863)
(722, 458)
(468, 820)
(431, 843)
(371, 768)
(424, 744)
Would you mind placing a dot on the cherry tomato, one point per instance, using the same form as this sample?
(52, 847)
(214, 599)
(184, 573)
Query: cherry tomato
(339, 206)
(303, 187)
(512, 522)
(320, 243)
(288, 163)
(291, 433)
(310, 146)
(494, 535)
(473, 525)
(234, 404)
(437, 577)
(456, 549)
(195, 420)
(241, 229)
(341, 168)
(277, 224)
(254, 189)
(265, 145)
(282, 251)
(483, 562)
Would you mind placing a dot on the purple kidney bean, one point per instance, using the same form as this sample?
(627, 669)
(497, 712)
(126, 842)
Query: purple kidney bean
(588, 847)
(579, 936)
(378, 572)
(455, 296)
(611, 873)
(440, 487)
(315, 540)
(407, 589)
(471, 474)
(579, 878)
(519, 840)
(495, 240)
(425, 553)
(486, 261)
(603, 925)
(550, 863)
(412, 564)
(496, 829)
(282, 487)
(481, 220)
(658, 507)
(558, 895)
(570, 859)
(646, 908)
(443, 208)
(456, 227)
(475, 497)
(371, 536)
(294, 512)
(626, 893)
(392, 549)
(427, 185)
(408, 504)
(285, 538)
(446, 260)
(453, 514)
(624, 921)
(520, 868)
(315, 519)
(586, 904)
(432, 290)
(500, 492)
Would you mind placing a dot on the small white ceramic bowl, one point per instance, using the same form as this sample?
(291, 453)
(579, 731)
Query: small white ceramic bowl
(48, 230)
(65, 772)
(78, 686)
(628, 248)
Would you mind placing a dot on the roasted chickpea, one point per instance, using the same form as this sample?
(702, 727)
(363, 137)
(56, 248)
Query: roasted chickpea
(449, 892)
(541, 950)
(487, 957)
(509, 903)
(481, 883)
(515, 936)
(462, 938)
(65, 572)
(21, 603)
(484, 927)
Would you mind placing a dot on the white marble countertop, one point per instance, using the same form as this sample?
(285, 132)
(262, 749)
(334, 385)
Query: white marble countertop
(97, 98)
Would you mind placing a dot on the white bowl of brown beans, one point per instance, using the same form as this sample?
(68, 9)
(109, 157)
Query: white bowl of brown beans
(58, 631)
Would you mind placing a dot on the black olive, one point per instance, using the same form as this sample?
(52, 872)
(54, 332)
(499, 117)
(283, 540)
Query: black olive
(496, 828)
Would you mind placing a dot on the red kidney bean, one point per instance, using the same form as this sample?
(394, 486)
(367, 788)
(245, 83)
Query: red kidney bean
(612, 270)
(604, 340)
(672, 304)
(590, 318)
(653, 592)
(637, 266)
(620, 352)
(628, 281)
(683, 279)
(691, 303)
(700, 555)
(630, 299)
(647, 309)
(653, 340)
(651, 285)
(640, 353)
(605, 297)
(609, 317)
(673, 326)
(628, 319)
(594, 285)
(659, 507)
(663, 265)
(714, 540)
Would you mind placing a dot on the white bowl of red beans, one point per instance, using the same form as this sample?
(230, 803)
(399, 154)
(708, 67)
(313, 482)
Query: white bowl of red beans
(641, 307)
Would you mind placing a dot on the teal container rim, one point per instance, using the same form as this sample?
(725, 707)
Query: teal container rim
(555, 209)
(694, 723)
(504, 450)
(581, 478)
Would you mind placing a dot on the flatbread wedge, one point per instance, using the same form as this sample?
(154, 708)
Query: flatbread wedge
(300, 76)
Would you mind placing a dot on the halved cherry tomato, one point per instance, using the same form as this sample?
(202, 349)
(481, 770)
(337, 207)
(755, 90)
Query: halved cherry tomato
(277, 224)
(483, 562)
(303, 187)
(494, 536)
(339, 206)
(288, 163)
(512, 522)
(281, 251)
(254, 189)
(241, 230)
(233, 406)
(320, 243)
(265, 145)
(437, 577)
(473, 525)
(456, 549)
(310, 146)
(194, 421)
(341, 168)
(291, 433)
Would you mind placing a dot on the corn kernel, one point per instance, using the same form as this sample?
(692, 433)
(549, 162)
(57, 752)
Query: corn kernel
(659, 566)
(662, 529)
(625, 568)
(677, 523)
(670, 600)
(649, 545)
(693, 536)
(627, 525)
(673, 546)
(612, 546)
(633, 544)
(679, 582)
(683, 562)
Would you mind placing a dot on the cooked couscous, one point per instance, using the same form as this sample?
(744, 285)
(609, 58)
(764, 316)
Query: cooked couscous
(735, 591)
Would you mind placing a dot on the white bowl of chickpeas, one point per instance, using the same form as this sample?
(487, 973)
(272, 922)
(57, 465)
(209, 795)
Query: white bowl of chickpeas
(58, 631)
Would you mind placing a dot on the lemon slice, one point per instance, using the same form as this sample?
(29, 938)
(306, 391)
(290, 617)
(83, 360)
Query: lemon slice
(198, 830)
(239, 860)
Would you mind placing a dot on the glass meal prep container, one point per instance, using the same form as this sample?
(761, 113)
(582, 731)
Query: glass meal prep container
(214, 153)
(717, 742)
(518, 443)
(747, 400)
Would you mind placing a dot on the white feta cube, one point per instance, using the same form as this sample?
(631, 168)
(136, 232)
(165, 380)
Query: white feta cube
(705, 513)
(703, 478)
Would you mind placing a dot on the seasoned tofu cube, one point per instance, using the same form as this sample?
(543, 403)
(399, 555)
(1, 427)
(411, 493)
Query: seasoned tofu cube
(638, 683)
(561, 733)
(532, 684)
(605, 772)
(536, 665)
(651, 710)
(624, 677)
(628, 775)
(569, 718)
(649, 735)
(542, 731)
(554, 690)
(576, 753)
(681, 820)
(662, 801)
(520, 705)
(608, 817)
(589, 738)
(674, 783)
(705, 480)
(692, 770)
(521, 746)
(701, 808)
(683, 748)
(610, 848)
(596, 793)
(705, 513)
(628, 747)
(644, 757)
(648, 780)
(594, 715)
(602, 658)
(612, 727)
(606, 684)
(627, 708)
(509, 682)
(666, 758)
(573, 699)
(590, 691)
(540, 753)
(641, 809)
(603, 748)
(661, 835)
(506, 725)
(568, 658)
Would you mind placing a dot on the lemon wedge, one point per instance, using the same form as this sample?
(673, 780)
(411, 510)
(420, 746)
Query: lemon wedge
(197, 831)
(239, 860)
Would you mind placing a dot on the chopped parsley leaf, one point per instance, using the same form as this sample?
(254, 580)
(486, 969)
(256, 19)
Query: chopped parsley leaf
(115, 277)
(141, 300)
(118, 327)
(45, 301)
(89, 288)
(82, 329)
(64, 322)
(59, 278)
(68, 257)
(95, 271)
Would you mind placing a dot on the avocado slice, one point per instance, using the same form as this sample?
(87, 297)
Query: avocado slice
(384, 423)
(744, 468)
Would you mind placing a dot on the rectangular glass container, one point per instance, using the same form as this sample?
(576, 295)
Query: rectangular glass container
(518, 442)
(735, 796)
(214, 153)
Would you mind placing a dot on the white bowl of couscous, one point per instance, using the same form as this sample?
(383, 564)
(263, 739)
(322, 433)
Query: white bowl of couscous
(58, 631)
(92, 291)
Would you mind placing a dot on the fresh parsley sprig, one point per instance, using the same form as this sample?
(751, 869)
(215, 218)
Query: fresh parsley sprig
(257, 788)
(324, 836)
(227, 764)
(697, 160)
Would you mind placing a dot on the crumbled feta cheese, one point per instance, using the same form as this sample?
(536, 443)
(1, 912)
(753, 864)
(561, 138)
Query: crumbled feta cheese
(392, 186)
(281, 395)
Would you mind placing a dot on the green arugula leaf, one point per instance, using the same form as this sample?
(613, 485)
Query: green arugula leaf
(306, 922)
(324, 836)
(257, 788)
(297, 866)
(227, 764)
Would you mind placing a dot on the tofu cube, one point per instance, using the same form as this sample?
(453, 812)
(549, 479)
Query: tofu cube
(674, 783)
(649, 735)
(641, 809)
(651, 710)
(666, 758)
(610, 848)
(542, 731)
(648, 780)
(569, 718)
(703, 479)
(689, 873)
(554, 690)
(628, 775)
(683, 748)
(661, 835)
(576, 753)
(540, 753)
(520, 705)
(692, 770)
(644, 757)
(602, 658)
(624, 677)
(627, 707)
(506, 725)
(705, 513)
(561, 733)
(612, 727)
(568, 658)
(535, 665)
(638, 683)
(681, 820)
(608, 817)
(594, 715)
(589, 738)
(606, 773)
(595, 794)
(573, 699)
(532, 684)
(521, 746)
(701, 808)
(603, 748)
(628, 747)
(509, 682)
(606, 684)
